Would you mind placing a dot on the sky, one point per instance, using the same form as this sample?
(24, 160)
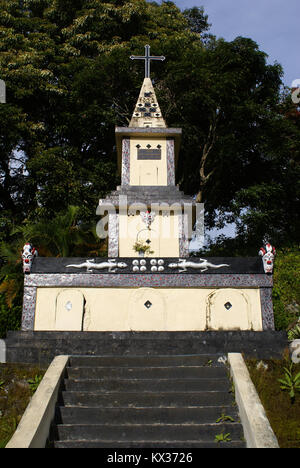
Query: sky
(273, 24)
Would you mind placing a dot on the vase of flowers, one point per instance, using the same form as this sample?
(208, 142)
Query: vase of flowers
(142, 248)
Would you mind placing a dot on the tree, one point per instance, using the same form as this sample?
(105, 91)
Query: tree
(69, 82)
(68, 75)
(270, 206)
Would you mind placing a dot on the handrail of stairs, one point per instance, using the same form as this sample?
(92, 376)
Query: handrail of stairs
(33, 429)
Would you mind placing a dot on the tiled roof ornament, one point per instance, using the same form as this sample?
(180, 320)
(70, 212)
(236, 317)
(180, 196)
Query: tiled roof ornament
(28, 254)
(268, 252)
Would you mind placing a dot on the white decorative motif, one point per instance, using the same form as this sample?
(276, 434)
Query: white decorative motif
(268, 252)
(147, 218)
(28, 254)
(90, 265)
(141, 265)
(204, 265)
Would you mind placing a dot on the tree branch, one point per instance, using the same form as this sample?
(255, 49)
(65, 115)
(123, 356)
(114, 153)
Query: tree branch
(207, 148)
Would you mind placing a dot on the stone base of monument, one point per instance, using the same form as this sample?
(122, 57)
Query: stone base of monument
(42, 347)
(136, 306)
(149, 294)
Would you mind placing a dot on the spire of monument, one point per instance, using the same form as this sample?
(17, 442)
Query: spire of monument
(147, 112)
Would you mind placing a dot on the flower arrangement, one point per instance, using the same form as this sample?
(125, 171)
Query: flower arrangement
(142, 248)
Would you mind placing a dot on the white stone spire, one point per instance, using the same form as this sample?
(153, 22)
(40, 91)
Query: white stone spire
(147, 112)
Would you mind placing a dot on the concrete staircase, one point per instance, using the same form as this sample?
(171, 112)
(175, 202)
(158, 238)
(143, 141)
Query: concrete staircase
(146, 402)
(42, 347)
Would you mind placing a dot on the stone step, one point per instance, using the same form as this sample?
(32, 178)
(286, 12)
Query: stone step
(187, 372)
(42, 347)
(157, 401)
(144, 399)
(147, 385)
(148, 432)
(146, 415)
(148, 444)
(145, 361)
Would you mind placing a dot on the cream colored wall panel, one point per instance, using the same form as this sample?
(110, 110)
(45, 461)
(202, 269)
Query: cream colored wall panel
(45, 308)
(69, 310)
(164, 235)
(124, 309)
(233, 309)
(108, 309)
(148, 172)
(186, 309)
(147, 310)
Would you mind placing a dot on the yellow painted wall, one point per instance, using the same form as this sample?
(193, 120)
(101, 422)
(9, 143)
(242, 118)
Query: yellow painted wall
(172, 309)
(164, 235)
(148, 172)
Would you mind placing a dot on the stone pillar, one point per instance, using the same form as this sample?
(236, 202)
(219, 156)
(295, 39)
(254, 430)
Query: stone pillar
(125, 162)
(267, 308)
(113, 235)
(183, 235)
(170, 162)
(29, 304)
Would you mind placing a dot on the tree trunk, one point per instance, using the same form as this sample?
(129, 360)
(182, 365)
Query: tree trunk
(208, 146)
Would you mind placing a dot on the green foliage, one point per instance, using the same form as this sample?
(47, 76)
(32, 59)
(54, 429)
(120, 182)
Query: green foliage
(222, 437)
(70, 81)
(35, 382)
(224, 418)
(282, 412)
(15, 397)
(8, 428)
(10, 317)
(59, 235)
(140, 246)
(286, 290)
(294, 333)
(290, 382)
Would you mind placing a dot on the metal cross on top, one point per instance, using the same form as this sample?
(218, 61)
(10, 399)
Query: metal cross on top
(147, 59)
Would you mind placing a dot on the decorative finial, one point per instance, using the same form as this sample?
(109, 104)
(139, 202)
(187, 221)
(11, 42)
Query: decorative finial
(147, 57)
(28, 254)
(268, 252)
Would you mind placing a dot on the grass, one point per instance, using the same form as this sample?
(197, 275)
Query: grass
(17, 385)
(282, 411)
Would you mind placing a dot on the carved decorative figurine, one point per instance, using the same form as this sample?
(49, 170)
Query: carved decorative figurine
(148, 218)
(28, 254)
(91, 265)
(204, 265)
(268, 252)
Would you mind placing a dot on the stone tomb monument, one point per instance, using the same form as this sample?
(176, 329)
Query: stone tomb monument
(148, 282)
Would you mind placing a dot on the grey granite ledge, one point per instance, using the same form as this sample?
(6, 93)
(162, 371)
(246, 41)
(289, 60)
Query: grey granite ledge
(101, 280)
(133, 131)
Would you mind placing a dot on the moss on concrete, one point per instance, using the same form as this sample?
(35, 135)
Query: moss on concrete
(282, 412)
(15, 394)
